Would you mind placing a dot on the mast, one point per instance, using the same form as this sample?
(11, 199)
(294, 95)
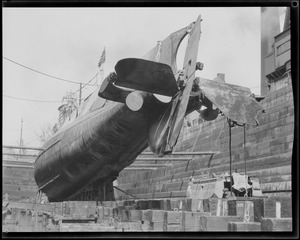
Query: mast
(100, 65)
(21, 140)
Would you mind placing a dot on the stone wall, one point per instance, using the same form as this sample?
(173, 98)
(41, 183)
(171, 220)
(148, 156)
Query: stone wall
(267, 153)
(19, 183)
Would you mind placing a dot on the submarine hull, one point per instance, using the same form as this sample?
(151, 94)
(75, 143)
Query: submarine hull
(95, 147)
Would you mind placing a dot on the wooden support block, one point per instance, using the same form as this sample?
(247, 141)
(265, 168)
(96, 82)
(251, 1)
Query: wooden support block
(264, 208)
(224, 207)
(213, 205)
(122, 225)
(124, 215)
(33, 206)
(156, 204)
(147, 226)
(276, 224)
(105, 211)
(179, 204)
(173, 217)
(245, 209)
(146, 215)
(129, 203)
(171, 227)
(110, 212)
(214, 223)
(106, 203)
(158, 216)
(137, 225)
(206, 205)
(191, 221)
(154, 215)
(166, 204)
(143, 205)
(244, 226)
(119, 203)
(286, 207)
(135, 215)
(194, 205)
(158, 226)
(113, 204)
(231, 204)
(115, 212)
(269, 208)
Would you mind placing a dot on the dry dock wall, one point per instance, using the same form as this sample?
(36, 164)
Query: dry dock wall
(267, 152)
(268, 155)
(19, 183)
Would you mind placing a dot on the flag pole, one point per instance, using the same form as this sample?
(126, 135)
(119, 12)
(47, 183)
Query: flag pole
(100, 65)
(101, 74)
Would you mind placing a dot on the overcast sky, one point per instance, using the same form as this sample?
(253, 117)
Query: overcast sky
(67, 43)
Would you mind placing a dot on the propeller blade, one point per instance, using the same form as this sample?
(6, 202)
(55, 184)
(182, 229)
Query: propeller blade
(190, 60)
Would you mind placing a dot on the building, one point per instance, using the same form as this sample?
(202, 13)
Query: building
(278, 60)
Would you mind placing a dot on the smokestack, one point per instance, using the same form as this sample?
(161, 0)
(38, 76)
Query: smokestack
(269, 27)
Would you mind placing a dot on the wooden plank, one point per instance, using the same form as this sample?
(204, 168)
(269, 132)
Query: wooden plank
(154, 215)
(276, 224)
(33, 206)
(244, 226)
(173, 217)
(171, 227)
(195, 205)
(264, 208)
(147, 226)
(286, 207)
(158, 226)
(135, 215)
(214, 223)
(191, 220)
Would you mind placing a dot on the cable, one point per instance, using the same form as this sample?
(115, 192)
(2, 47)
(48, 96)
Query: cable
(57, 78)
(30, 99)
(88, 83)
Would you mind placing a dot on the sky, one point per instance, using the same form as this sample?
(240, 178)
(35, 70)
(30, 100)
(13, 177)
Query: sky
(67, 43)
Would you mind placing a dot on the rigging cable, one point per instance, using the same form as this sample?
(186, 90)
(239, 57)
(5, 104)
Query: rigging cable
(31, 100)
(48, 75)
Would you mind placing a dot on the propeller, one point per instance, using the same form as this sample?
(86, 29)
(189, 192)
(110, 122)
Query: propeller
(189, 68)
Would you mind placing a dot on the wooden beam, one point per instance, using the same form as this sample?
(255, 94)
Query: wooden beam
(19, 147)
(20, 155)
(17, 166)
(162, 159)
(149, 165)
(183, 153)
(32, 206)
(138, 169)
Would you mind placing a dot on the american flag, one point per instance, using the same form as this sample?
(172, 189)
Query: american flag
(102, 58)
